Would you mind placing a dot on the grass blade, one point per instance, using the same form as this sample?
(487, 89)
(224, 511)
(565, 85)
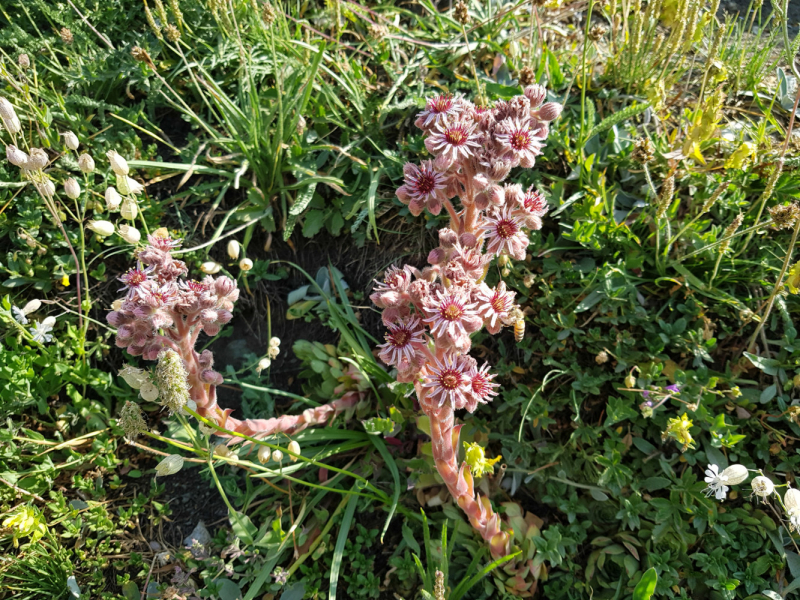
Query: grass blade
(387, 458)
(338, 550)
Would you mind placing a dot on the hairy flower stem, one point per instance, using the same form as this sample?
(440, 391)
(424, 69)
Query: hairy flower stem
(778, 285)
(584, 83)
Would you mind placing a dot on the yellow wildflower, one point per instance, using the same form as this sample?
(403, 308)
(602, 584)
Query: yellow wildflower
(25, 522)
(678, 429)
(477, 461)
(741, 156)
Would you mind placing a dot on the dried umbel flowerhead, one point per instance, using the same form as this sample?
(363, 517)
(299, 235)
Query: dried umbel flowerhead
(24, 61)
(377, 32)
(66, 35)
(141, 55)
(784, 216)
(597, 32)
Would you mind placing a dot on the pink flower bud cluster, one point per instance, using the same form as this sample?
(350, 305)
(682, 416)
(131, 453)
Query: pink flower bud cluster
(163, 310)
(431, 313)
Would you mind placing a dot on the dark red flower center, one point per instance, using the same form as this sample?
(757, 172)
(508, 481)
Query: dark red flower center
(506, 228)
(456, 136)
(441, 104)
(450, 379)
(426, 182)
(399, 338)
(520, 140)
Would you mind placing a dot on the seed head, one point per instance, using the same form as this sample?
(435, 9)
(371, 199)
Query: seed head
(729, 231)
(665, 199)
(268, 14)
(66, 35)
(784, 215)
(526, 76)
(708, 204)
(24, 61)
(377, 32)
(171, 379)
(597, 32)
(140, 54)
(173, 33)
(643, 150)
(461, 13)
(131, 420)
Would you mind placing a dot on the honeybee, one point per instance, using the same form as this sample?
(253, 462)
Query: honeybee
(517, 319)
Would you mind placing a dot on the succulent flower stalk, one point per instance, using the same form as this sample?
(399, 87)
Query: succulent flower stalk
(430, 313)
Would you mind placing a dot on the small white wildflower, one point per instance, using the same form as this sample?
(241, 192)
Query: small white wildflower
(117, 304)
(245, 264)
(294, 448)
(86, 163)
(735, 474)
(277, 455)
(128, 186)
(264, 454)
(223, 451)
(113, 199)
(170, 465)
(233, 249)
(37, 160)
(273, 352)
(716, 483)
(72, 188)
(41, 332)
(791, 499)
(101, 228)
(205, 429)
(762, 486)
(263, 364)
(210, 267)
(47, 188)
(71, 140)
(118, 164)
(129, 209)
(274, 342)
(16, 156)
(6, 109)
(32, 306)
(19, 315)
(129, 234)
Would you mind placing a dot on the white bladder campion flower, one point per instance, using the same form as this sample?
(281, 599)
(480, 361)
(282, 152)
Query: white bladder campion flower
(762, 486)
(101, 228)
(210, 267)
(169, 466)
(134, 376)
(113, 199)
(129, 234)
(72, 188)
(71, 140)
(118, 164)
(233, 249)
(791, 500)
(129, 209)
(718, 482)
(86, 163)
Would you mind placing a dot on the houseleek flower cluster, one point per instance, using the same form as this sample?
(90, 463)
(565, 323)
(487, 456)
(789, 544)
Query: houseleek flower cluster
(430, 313)
(160, 318)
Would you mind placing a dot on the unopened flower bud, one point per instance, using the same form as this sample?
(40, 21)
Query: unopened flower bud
(169, 466)
(129, 234)
(550, 111)
(536, 94)
(245, 264)
(72, 188)
(233, 249)
(277, 455)
(630, 381)
(129, 209)
(447, 237)
(274, 342)
(294, 448)
(436, 256)
(32, 306)
(16, 157)
(264, 454)
(71, 140)
(210, 267)
(263, 364)
(101, 228)
(118, 164)
(85, 163)
(113, 199)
